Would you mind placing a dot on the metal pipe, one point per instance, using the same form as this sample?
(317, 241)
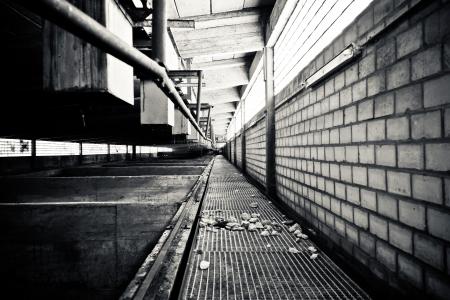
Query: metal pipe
(80, 24)
(199, 93)
(208, 121)
(159, 28)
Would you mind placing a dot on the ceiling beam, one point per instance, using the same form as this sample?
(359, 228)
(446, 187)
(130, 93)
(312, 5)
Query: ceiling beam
(214, 32)
(229, 18)
(215, 97)
(215, 79)
(221, 64)
(240, 45)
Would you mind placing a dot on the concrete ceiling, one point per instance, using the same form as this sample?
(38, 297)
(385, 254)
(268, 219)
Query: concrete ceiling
(223, 43)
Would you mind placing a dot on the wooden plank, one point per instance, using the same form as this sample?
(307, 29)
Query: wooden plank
(222, 64)
(171, 23)
(215, 32)
(218, 41)
(242, 46)
(215, 79)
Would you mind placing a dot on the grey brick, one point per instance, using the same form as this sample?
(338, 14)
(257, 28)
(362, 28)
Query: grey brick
(387, 255)
(367, 154)
(365, 22)
(365, 110)
(367, 243)
(412, 214)
(367, 65)
(339, 81)
(376, 130)
(437, 91)
(387, 206)
(359, 133)
(408, 98)
(377, 179)
(437, 157)
(385, 155)
(409, 40)
(438, 222)
(351, 154)
(428, 188)
(339, 153)
(345, 135)
(429, 250)
(350, 114)
(384, 105)
(399, 183)
(346, 173)
(426, 63)
(426, 125)
(347, 211)
(361, 218)
(410, 156)
(376, 84)
(359, 90)
(398, 128)
(398, 75)
(368, 199)
(447, 123)
(382, 8)
(360, 175)
(400, 237)
(386, 54)
(338, 117)
(409, 270)
(353, 194)
(378, 226)
(351, 74)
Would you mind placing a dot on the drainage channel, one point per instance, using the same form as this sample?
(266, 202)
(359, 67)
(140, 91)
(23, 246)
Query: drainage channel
(271, 261)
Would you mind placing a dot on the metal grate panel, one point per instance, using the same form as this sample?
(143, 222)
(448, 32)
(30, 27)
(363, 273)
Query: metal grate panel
(246, 265)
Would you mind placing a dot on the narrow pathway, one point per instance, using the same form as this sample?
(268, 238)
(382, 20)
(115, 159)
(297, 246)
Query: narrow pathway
(244, 264)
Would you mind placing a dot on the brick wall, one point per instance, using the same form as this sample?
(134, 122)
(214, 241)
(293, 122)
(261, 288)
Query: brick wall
(255, 139)
(365, 156)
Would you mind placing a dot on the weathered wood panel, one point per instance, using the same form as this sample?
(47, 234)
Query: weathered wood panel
(71, 64)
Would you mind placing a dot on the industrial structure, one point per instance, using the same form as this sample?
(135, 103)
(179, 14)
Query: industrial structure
(212, 149)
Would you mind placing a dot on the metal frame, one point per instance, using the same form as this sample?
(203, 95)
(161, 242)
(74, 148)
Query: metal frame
(80, 24)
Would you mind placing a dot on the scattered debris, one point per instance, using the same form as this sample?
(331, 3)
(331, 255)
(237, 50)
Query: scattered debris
(245, 216)
(204, 265)
(253, 220)
(274, 232)
(265, 233)
(212, 229)
(252, 227)
(259, 225)
(288, 222)
(199, 251)
(314, 256)
(254, 205)
(255, 215)
(293, 250)
(312, 249)
(266, 222)
(294, 227)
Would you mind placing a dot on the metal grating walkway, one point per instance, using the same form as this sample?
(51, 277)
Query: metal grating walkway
(247, 265)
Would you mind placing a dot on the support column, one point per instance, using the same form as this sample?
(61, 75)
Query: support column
(270, 123)
(199, 93)
(243, 150)
(159, 28)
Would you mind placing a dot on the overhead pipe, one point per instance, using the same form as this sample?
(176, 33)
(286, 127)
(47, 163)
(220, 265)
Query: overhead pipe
(80, 24)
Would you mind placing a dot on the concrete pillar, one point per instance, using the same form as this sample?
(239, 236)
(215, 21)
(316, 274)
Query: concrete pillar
(270, 123)
(243, 150)
(156, 108)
